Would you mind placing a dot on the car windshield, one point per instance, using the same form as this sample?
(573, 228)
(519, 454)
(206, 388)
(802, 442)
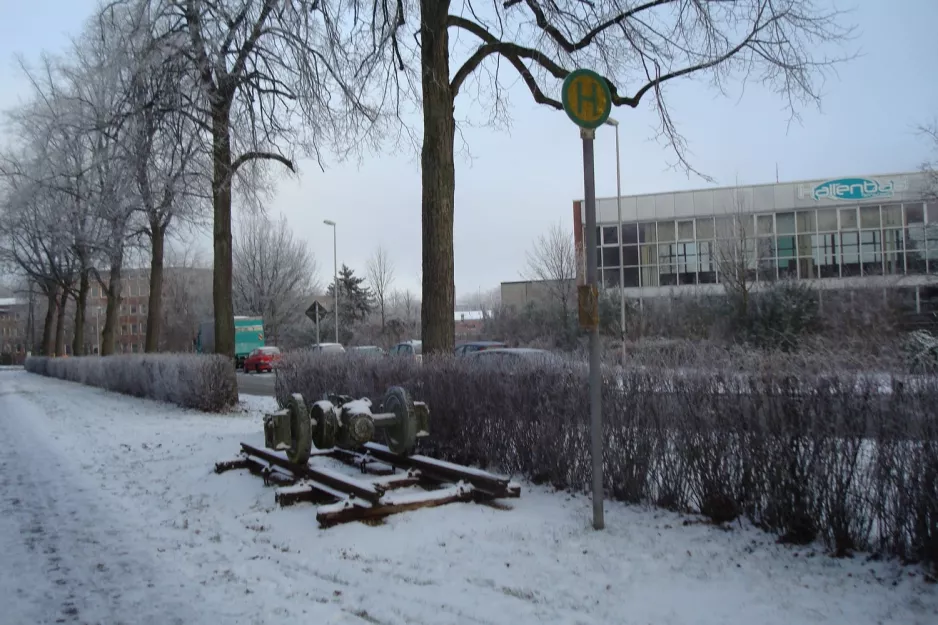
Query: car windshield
(269, 350)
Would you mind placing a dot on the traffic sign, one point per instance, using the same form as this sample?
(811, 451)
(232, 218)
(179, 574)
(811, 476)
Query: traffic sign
(586, 98)
(316, 311)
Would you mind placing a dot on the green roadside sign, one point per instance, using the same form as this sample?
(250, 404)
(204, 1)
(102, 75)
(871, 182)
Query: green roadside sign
(586, 98)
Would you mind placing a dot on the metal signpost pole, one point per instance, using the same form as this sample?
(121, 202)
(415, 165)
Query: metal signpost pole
(587, 101)
(317, 325)
(615, 124)
(335, 269)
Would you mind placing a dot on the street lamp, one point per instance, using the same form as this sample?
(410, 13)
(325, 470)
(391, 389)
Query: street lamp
(615, 124)
(335, 265)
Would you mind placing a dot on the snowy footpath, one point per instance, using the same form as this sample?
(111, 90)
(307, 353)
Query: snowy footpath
(110, 512)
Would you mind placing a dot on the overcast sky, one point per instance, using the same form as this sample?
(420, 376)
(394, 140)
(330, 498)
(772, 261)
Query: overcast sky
(518, 183)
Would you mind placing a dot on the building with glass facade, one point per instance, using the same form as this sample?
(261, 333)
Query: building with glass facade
(852, 232)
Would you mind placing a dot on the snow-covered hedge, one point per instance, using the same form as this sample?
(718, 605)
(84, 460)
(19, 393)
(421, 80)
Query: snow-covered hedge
(800, 455)
(203, 382)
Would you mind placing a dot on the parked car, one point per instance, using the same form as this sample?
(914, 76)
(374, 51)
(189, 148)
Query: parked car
(328, 348)
(368, 350)
(514, 354)
(477, 346)
(410, 349)
(262, 359)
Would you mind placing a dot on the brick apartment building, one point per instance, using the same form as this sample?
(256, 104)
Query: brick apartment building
(12, 330)
(132, 317)
(180, 286)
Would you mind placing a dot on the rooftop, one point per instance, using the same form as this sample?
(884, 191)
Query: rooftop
(743, 185)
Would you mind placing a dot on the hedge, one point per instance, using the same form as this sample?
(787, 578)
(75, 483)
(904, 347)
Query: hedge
(849, 459)
(203, 382)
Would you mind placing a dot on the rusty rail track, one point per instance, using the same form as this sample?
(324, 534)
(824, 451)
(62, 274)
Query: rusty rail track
(343, 498)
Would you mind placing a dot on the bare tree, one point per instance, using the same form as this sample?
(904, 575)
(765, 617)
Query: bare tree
(779, 43)
(187, 298)
(553, 261)
(380, 272)
(741, 255)
(930, 167)
(404, 310)
(163, 148)
(274, 273)
(32, 244)
(275, 80)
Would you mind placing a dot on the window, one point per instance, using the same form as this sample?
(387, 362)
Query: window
(133, 329)
(611, 278)
(133, 309)
(850, 253)
(134, 347)
(123, 329)
(785, 223)
(610, 256)
(914, 213)
(630, 276)
(869, 217)
(704, 228)
(765, 224)
(647, 233)
(725, 227)
(685, 230)
(629, 234)
(871, 251)
(848, 219)
(687, 263)
(826, 254)
(610, 235)
(893, 257)
(649, 255)
(666, 232)
(827, 220)
(892, 216)
(705, 262)
(807, 222)
(630, 255)
(667, 263)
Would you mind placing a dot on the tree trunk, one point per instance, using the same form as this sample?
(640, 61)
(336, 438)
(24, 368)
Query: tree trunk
(438, 181)
(48, 338)
(221, 204)
(78, 341)
(157, 241)
(112, 312)
(60, 323)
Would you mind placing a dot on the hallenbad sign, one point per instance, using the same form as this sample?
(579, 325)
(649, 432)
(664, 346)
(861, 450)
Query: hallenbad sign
(853, 189)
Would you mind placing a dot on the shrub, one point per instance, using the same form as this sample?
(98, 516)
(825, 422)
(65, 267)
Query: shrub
(203, 382)
(849, 458)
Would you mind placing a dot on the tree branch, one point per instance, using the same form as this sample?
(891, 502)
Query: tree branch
(252, 156)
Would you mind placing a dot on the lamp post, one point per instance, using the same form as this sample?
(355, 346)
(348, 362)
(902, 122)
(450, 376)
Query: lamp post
(615, 124)
(335, 265)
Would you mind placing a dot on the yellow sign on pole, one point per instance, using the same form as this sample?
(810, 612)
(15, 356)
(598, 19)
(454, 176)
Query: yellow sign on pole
(588, 306)
(586, 98)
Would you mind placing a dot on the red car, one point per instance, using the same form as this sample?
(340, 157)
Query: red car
(262, 359)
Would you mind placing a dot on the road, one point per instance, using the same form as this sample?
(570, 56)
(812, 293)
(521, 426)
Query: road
(256, 384)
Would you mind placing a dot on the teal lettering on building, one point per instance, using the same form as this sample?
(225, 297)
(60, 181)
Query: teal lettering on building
(853, 189)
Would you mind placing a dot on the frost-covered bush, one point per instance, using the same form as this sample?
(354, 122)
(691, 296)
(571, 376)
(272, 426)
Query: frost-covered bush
(921, 351)
(203, 382)
(850, 459)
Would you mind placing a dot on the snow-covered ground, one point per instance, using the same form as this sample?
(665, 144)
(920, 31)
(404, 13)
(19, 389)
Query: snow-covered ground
(110, 512)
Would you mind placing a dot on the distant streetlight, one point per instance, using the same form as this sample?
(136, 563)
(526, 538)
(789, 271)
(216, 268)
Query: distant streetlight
(335, 265)
(615, 124)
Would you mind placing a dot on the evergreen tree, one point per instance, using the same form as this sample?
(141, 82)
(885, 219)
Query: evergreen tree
(356, 301)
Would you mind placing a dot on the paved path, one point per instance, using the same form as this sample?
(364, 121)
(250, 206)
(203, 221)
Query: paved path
(256, 384)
